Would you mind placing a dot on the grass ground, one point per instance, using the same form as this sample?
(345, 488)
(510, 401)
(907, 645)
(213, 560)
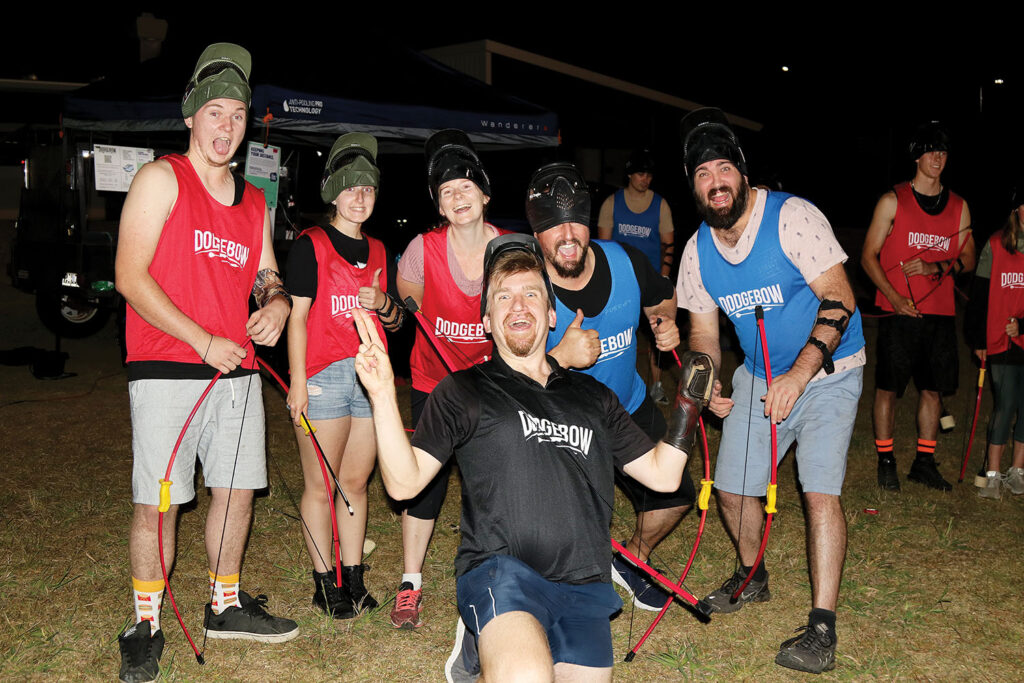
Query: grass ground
(932, 588)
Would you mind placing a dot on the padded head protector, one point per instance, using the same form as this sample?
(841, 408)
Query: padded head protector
(222, 71)
(450, 156)
(513, 241)
(929, 137)
(706, 136)
(351, 163)
(640, 161)
(557, 194)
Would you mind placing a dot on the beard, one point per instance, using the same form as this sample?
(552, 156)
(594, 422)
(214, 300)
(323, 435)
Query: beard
(573, 270)
(521, 345)
(724, 218)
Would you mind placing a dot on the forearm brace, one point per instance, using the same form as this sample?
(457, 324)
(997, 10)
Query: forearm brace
(268, 285)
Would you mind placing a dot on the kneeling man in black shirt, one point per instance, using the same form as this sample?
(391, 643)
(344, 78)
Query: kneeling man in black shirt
(537, 446)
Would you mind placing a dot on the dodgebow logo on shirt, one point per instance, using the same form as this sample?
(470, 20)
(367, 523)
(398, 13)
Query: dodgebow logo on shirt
(232, 253)
(922, 240)
(744, 303)
(615, 345)
(459, 333)
(342, 304)
(630, 230)
(1011, 280)
(570, 437)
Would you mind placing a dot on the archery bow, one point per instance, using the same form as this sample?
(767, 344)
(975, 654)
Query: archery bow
(770, 493)
(702, 608)
(165, 505)
(974, 422)
(325, 470)
(702, 502)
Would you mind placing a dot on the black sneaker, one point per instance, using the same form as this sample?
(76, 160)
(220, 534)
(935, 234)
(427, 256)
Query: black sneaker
(140, 654)
(352, 581)
(812, 651)
(721, 599)
(463, 665)
(330, 599)
(887, 477)
(924, 471)
(249, 621)
(646, 595)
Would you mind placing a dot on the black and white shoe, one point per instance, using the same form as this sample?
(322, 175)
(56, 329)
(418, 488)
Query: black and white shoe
(249, 621)
(721, 599)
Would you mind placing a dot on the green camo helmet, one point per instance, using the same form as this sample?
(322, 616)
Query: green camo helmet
(222, 71)
(351, 163)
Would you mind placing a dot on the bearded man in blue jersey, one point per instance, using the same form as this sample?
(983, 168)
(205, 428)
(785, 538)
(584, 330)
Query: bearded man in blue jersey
(777, 253)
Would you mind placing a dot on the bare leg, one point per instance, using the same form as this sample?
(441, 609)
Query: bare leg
(356, 467)
(228, 554)
(514, 647)
(575, 673)
(742, 514)
(929, 408)
(655, 525)
(995, 456)
(1018, 454)
(332, 436)
(142, 541)
(826, 528)
(416, 535)
(883, 413)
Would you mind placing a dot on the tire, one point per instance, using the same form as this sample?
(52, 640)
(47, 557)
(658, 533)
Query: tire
(69, 316)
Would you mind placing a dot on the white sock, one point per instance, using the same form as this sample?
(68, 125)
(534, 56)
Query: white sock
(415, 579)
(225, 592)
(148, 596)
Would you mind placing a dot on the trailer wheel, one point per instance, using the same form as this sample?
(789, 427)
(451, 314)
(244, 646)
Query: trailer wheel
(70, 316)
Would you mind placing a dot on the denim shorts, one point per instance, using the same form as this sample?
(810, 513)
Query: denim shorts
(821, 423)
(337, 392)
(574, 616)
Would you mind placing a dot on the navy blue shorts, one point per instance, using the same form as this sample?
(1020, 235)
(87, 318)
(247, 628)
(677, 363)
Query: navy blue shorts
(574, 616)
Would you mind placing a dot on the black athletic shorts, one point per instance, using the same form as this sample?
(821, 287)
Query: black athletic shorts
(428, 503)
(649, 418)
(923, 348)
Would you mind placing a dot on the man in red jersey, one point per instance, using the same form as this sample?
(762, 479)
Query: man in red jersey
(194, 243)
(918, 239)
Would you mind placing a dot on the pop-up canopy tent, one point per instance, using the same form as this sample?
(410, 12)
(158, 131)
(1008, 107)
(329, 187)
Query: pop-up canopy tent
(399, 95)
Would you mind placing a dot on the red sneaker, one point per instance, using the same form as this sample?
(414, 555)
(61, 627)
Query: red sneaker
(406, 613)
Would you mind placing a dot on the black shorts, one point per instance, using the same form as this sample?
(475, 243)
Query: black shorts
(649, 418)
(922, 348)
(428, 503)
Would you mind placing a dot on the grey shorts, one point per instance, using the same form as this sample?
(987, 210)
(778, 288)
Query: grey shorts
(821, 423)
(159, 408)
(337, 392)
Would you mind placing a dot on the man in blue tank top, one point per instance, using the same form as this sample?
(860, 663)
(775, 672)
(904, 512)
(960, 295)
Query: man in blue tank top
(600, 290)
(638, 216)
(769, 254)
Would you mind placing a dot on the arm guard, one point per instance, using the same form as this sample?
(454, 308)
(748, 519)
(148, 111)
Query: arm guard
(268, 285)
(692, 397)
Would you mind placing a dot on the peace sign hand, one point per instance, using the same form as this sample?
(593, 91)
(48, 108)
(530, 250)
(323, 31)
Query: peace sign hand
(372, 363)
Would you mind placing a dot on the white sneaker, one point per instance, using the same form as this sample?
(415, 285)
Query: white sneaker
(993, 480)
(1014, 480)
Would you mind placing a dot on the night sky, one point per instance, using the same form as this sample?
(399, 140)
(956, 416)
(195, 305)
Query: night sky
(835, 125)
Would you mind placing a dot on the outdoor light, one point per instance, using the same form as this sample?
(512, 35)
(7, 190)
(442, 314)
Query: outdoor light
(998, 81)
(785, 68)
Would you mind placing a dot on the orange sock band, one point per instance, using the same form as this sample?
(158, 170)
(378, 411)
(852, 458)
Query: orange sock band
(883, 445)
(926, 446)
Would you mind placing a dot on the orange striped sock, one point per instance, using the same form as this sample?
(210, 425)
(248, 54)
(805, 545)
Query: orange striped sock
(926, 448)
(225, 591)
(884, 448)
(148, 596)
